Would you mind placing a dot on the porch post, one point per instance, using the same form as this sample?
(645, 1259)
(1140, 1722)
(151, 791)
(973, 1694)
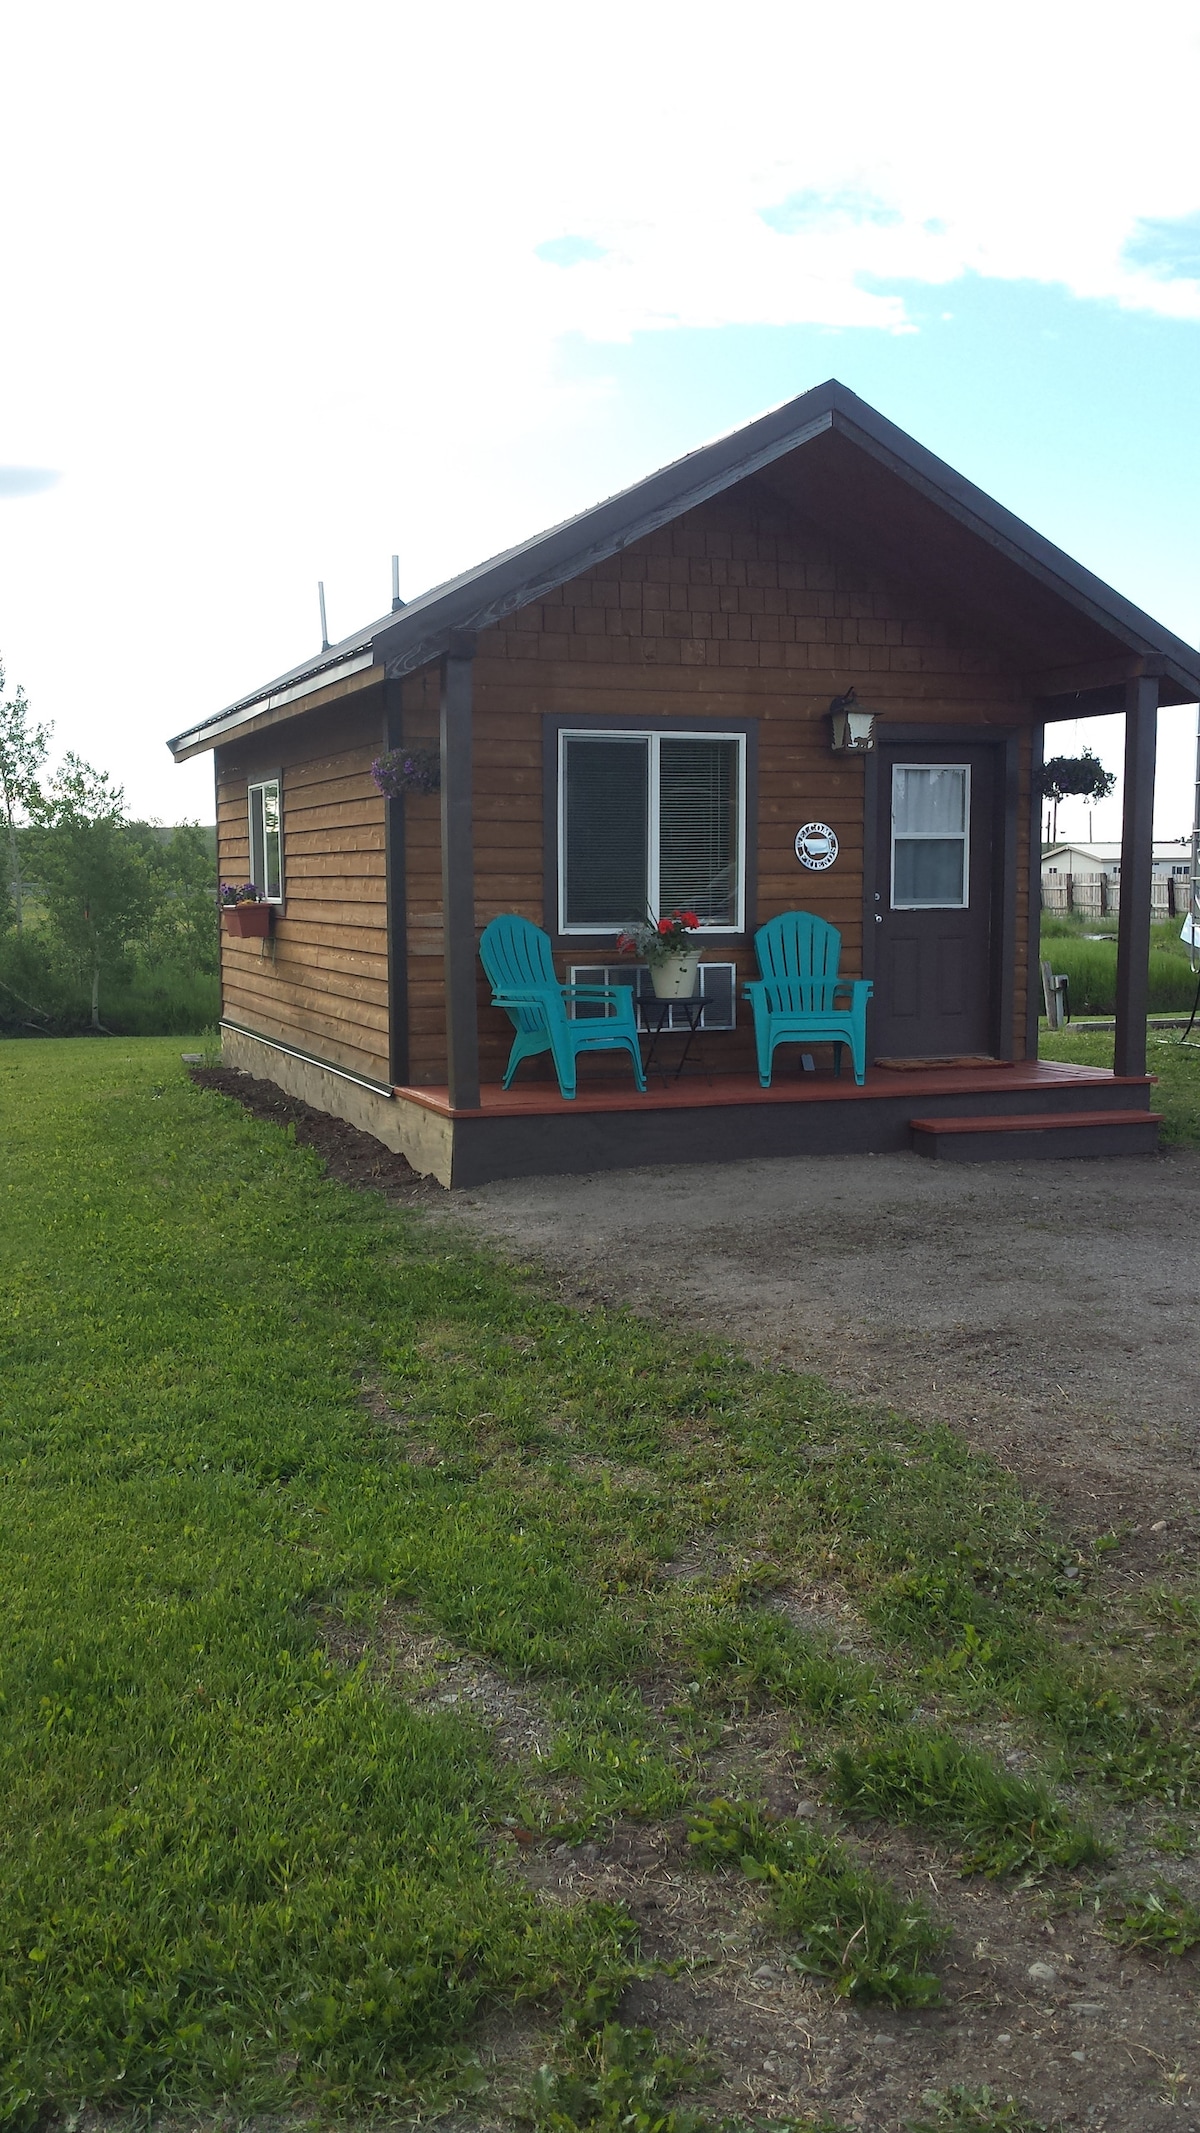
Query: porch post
(1033, 1001)
(458, 875)
(395, 865)
(1137, 868)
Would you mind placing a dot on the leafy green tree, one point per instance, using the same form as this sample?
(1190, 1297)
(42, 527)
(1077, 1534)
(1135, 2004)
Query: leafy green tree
(181, 928)
(22, 753)
(94, 879)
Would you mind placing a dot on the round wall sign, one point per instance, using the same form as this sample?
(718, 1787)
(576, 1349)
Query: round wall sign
(816, 846)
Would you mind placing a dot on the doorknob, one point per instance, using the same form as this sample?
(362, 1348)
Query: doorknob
(879, 918)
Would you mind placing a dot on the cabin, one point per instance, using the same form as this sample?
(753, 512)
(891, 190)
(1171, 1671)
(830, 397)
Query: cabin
(650, 706)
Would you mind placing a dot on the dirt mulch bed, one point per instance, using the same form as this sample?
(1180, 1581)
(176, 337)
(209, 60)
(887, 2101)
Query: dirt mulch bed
(353, 1158)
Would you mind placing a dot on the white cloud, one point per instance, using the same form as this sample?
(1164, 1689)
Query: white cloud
(274, 305)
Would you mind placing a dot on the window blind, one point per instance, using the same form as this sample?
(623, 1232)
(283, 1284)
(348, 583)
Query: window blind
(697, 829)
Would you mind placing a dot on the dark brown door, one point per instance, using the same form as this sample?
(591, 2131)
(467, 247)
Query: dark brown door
(933, 902)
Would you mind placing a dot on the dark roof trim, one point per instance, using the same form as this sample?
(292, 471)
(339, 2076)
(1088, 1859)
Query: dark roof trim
(498, 588)
(419, 633)
(1010, 535)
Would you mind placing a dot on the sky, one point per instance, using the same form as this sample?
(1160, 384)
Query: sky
(287, 289)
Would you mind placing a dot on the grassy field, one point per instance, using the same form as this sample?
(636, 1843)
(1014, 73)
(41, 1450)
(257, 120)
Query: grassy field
(1175, 1064)
(1086, 950)
(251, 1421)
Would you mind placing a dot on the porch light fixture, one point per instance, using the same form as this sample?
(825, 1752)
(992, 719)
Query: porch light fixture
(853, 725)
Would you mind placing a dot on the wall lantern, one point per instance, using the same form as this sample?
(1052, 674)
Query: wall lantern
(853, 725)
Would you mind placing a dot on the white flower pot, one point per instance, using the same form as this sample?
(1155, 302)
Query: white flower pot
(675, 977)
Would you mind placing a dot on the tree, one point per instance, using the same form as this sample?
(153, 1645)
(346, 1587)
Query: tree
(22, 753)
(94, 881)
(181, 928)
(1075, 776)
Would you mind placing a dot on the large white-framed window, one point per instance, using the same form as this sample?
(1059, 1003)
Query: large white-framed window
(931, 836)
(650, 822)
(266, 839)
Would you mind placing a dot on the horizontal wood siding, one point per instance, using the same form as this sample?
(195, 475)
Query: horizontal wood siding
(320, 983)
(736, 611)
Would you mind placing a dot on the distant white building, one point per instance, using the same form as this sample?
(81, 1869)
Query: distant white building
(1174, 859)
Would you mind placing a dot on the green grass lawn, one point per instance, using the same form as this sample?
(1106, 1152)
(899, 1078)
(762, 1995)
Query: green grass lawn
(241, 1403)
(1175, 1064)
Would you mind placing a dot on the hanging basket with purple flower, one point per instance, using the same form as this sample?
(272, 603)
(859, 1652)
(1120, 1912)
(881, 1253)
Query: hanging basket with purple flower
(404, 770)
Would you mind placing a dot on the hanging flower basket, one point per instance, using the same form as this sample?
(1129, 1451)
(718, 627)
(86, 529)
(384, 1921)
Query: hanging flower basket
(404, 770)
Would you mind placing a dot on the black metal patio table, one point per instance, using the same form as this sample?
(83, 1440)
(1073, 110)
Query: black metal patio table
(656, 1016)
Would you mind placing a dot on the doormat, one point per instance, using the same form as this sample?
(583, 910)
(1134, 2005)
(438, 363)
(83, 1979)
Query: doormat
(922, 1066)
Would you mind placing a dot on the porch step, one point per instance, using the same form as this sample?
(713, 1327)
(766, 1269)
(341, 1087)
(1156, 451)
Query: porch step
(1016, 1138)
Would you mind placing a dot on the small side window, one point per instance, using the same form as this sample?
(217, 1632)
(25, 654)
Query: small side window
(266, 840)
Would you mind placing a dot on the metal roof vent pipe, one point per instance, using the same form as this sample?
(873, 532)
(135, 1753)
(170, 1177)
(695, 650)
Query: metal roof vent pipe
(324, 625)
(397, 602)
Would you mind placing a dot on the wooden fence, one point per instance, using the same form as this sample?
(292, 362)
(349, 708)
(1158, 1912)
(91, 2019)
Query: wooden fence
(1099, 896)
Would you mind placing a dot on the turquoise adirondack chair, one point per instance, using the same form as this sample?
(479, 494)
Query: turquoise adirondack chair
(800, 999)
(516, 956)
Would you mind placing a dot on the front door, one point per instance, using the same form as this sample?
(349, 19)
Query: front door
(933, 902)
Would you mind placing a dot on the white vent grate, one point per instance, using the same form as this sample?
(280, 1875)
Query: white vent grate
(718, 985)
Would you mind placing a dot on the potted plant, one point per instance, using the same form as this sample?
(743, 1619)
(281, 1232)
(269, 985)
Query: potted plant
(670, 950)
(244, 911)
(404, 770)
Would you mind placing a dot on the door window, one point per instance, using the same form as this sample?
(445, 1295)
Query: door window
(931, 812)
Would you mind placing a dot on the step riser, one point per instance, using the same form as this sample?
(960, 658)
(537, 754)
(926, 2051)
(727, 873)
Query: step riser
(1091, 1099)
(1041, 1144)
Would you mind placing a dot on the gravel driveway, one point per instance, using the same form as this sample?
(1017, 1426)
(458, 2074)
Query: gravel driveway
(1051, 1311)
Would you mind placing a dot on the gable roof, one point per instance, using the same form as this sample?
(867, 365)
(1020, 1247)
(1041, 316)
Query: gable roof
(830, 457)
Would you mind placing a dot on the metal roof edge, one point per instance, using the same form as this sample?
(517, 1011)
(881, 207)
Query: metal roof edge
(273, 699)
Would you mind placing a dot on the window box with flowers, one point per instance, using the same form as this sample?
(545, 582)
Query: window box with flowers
(245, 913)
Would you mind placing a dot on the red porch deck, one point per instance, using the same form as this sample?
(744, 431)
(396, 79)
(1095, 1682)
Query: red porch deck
(602, 1090)
(531, 1130)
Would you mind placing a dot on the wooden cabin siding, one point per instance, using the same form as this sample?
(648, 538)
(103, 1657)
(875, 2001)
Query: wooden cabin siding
(736, 611)
(320, 983)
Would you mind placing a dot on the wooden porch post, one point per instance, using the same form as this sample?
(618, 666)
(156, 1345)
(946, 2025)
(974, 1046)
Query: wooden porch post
(1137, 866)
(397, 899)
(458, 875)
(1033, 1003)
